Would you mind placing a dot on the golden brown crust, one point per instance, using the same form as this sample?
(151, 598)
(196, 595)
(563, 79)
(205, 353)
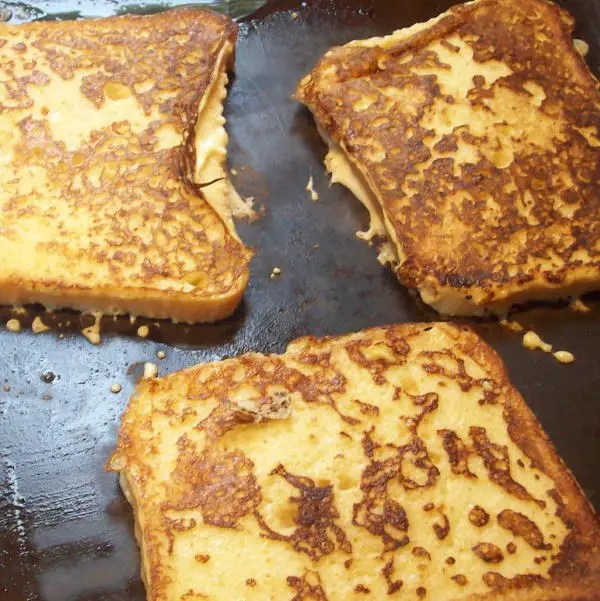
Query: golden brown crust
(480, 137)
(106, 216)
(185, 445)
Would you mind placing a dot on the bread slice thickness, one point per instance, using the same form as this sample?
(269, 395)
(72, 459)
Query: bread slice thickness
(110, 129)
(474, 140)
(397, 462)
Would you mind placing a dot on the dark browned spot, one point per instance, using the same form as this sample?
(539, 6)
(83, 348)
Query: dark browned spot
(361, 588)
(421, 552)
(441, 529)
(450, 561)
(458, 453)
(421, 591)
(201, 558)
(500, 583)
(308, 588)
(387, 571)
(316, 532)
(511, 548)
(348, 563)
(460, 579)
(366, 408)
(488, 552)
(496, 460)
(251, 582)
(520, 525)
(220, 483)
(478, 516)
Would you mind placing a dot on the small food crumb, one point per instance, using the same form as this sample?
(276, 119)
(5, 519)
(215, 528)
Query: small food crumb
(532, 341)
(564, 356)
(6, 388)
(143, 331)
(13, 325)
(579, 305)
(150, 370)
(294, 15)
(582, 47)
(93, 332)
(276, 271)
(161, 354)
(38, 326)
(251, 582)
(310, 188)
(515, 326)
(116, 388)
(234, 172)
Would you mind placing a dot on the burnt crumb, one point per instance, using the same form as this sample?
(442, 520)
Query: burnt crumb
(316, 532)
(539, 559)
(251, 582)
(488, 552)
(421, 591)
(460, 579)
(348, 563)
(361, 588)
(520, 463)
(478, 516)
(520, 525)
(202, 558)
(511, 548)
(345, 434)
(450, 561)
(428, 507)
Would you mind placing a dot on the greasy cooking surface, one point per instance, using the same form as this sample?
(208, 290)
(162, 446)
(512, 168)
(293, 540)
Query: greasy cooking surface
(66, 532)
(110, 195)
(480, 136)
(359, 455)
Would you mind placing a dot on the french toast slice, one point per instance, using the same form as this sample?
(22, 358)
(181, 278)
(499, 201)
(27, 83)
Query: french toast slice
(113, 187)
(474, 141)
(398, 462)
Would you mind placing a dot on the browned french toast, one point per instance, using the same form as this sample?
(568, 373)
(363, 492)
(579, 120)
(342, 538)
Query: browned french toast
(112, 185)
(398, 463)
(474, 140)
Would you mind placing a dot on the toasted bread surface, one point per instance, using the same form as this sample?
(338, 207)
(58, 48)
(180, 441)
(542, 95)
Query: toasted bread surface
(478, 135)
(398, 461)
(101, 183)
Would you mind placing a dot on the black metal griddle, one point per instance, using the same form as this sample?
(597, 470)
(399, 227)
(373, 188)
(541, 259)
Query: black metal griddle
(66, 531)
